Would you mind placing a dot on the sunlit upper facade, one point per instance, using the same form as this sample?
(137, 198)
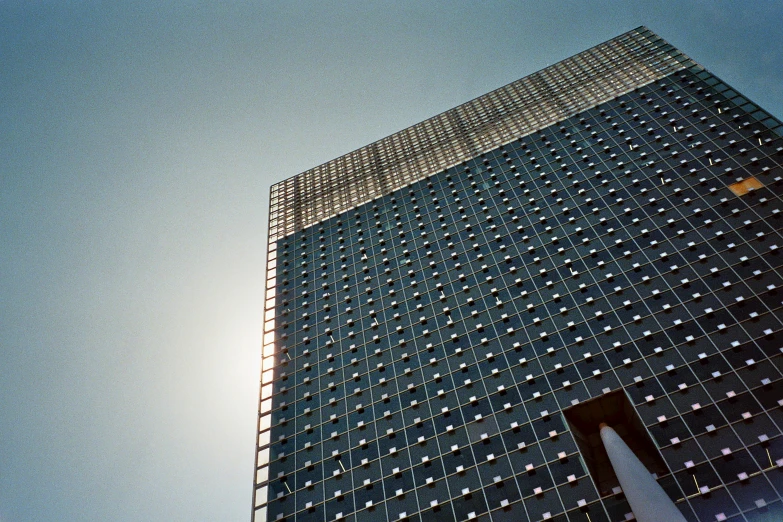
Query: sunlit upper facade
(451, 310)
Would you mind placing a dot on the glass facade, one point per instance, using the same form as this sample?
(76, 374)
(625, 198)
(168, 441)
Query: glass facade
(422, 343)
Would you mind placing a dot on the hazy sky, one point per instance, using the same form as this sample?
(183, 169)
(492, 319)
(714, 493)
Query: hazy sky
(137, 146)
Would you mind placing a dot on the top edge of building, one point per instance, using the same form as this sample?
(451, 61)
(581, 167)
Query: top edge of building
(538, 100)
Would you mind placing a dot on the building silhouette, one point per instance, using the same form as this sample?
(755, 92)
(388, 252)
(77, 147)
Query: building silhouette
(454, 312)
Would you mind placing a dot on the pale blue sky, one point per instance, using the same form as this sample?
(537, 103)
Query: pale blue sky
(137, 146)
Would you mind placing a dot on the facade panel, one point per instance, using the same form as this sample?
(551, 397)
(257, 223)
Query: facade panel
(440, 300)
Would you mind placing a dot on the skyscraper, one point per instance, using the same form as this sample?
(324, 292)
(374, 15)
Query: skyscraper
(455, 312)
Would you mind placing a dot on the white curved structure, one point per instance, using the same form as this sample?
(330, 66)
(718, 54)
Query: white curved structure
(648, 500)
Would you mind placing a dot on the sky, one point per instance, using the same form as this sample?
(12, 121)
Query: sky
(138, 141)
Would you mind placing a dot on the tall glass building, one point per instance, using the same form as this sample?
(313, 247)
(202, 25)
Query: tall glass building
(453, 311)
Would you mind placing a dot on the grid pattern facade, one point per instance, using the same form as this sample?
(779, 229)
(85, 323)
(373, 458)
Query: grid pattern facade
(421, 346)
(528, 104)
